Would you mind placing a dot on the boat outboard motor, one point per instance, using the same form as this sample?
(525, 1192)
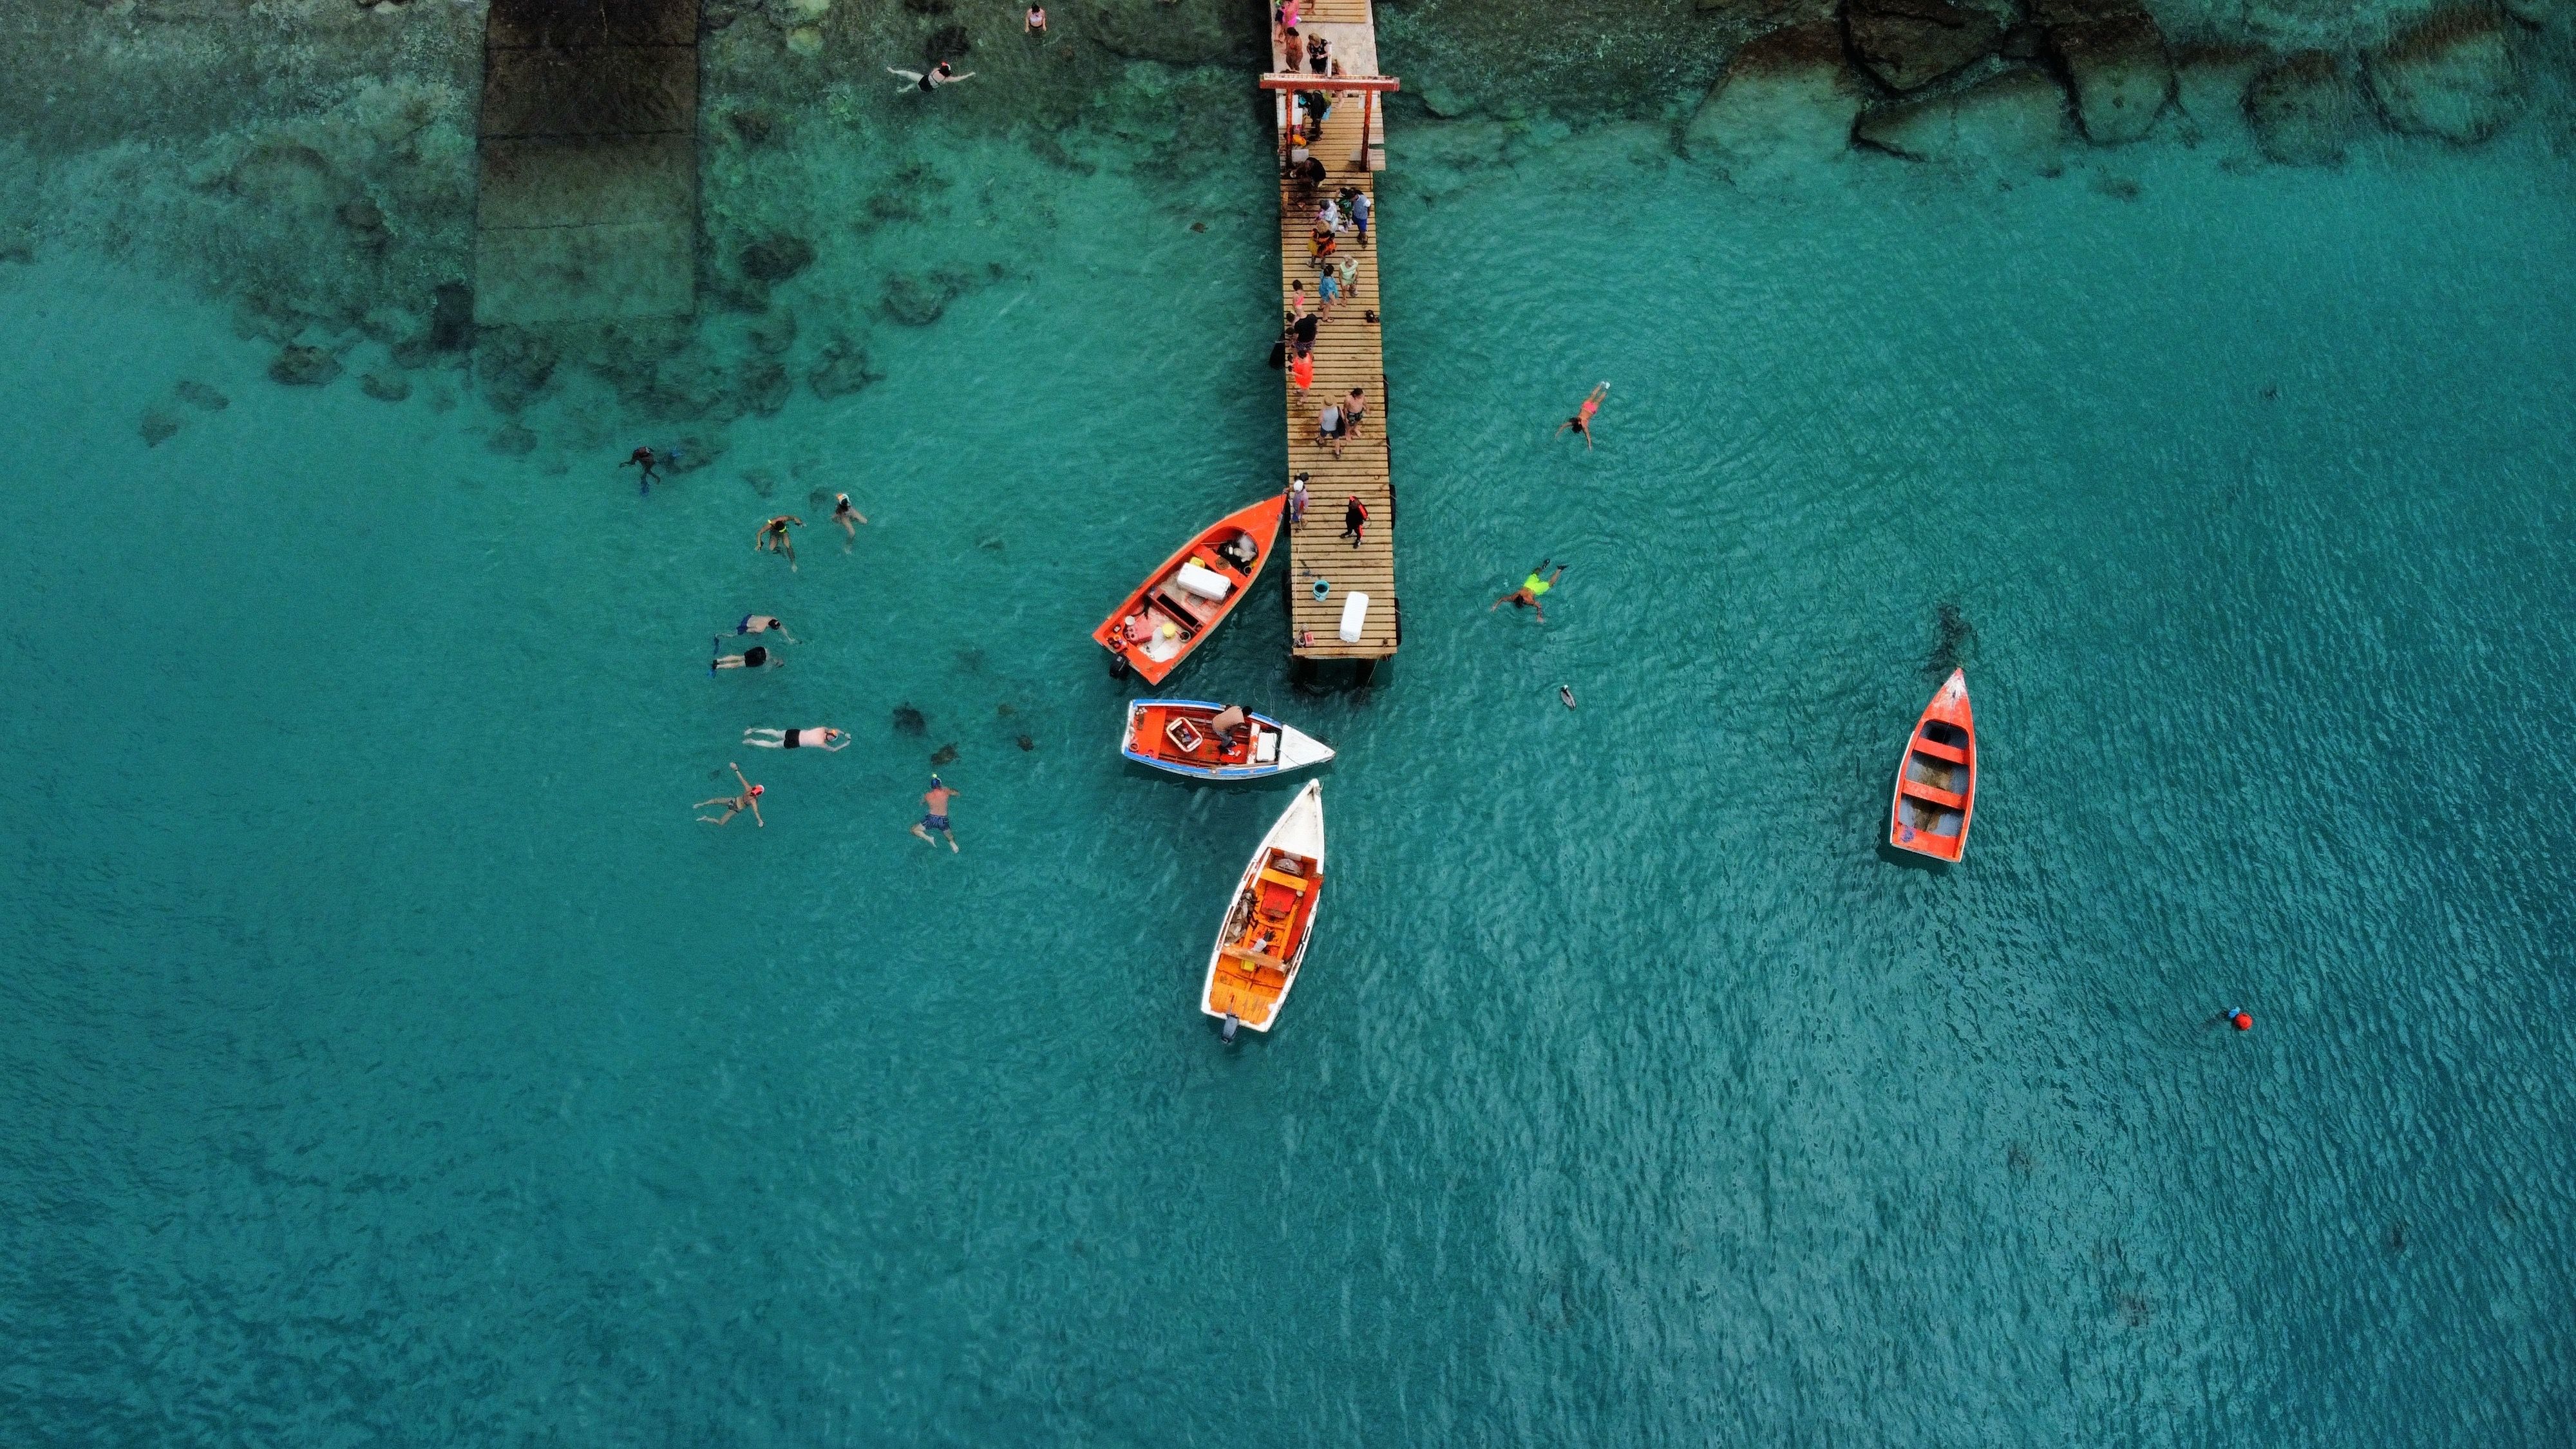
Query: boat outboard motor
(1230, 1020)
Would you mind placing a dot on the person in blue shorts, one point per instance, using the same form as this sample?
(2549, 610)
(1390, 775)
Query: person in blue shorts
(936, 803)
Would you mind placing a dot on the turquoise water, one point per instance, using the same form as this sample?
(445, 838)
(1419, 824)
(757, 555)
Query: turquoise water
(391, 1059)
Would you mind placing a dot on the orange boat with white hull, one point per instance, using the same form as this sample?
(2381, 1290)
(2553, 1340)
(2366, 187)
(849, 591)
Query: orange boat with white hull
(1180, 604)
(1936, 784)
(1271, 919)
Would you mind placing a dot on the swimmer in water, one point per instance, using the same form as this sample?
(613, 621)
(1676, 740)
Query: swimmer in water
(641, 458)
(1563, 691)
(1581, 422)
(1532, 589)
(844, 515)
(762, 624)
(1035, 22)
(734, 805)
(937, 76)
(773, 536)
(754, 657)
(818, 738)
(936, 804)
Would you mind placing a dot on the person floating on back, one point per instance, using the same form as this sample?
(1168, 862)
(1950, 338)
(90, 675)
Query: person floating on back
(773, 536)
(1532, 589)
(734, 805)
(818, 738)
(641, 458)
(935, 802)
(937, 76)
(1581, 422)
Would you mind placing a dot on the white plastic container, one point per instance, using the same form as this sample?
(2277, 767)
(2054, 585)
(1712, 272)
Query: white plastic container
(1205, 583)
(1354, 614)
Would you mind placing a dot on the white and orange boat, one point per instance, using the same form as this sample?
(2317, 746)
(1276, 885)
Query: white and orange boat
(1180, 604)
(1936, 784)
(1271, 919)
(1193, 737)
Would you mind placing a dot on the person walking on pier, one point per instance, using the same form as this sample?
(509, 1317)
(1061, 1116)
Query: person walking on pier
(1354, 520)
(1297, 500)
(1301, 369)
(1318, 53)
(1359, 208)
(1354, 412)
(1296, 302)
(1328, 427)
(1328, 290)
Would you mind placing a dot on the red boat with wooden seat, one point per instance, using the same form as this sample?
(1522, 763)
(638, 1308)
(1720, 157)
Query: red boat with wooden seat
(1936, 784)
(1180, 604)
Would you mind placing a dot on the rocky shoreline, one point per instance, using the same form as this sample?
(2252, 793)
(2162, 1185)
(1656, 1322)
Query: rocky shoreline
(312, 162)
(1996, 82)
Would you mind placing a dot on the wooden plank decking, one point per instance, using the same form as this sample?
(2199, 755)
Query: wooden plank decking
(1348, 354)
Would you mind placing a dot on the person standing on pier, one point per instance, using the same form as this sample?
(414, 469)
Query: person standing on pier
(1354, 412)
(1301, 369)
(1318, 53)
(1297, 500)
(1354, 520)
(1296, 302)
(1328, 290)
(1359, 209)
(1328, 427)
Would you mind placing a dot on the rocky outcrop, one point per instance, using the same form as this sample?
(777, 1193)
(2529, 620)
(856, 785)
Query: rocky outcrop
(303, 367)
(2015, 118)
(2210, 82)
(843, 369)
(1910, 43)
(1787, 98)
(2304, 109)
(2118, 71)
(2451, 76)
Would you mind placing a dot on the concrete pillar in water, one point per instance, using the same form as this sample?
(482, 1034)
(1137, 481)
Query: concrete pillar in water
(588, 209)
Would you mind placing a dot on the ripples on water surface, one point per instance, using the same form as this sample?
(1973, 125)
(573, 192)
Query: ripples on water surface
(390, 1059)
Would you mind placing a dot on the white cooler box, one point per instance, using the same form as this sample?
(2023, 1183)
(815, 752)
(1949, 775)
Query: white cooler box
(1354, 614)
(1206, 583)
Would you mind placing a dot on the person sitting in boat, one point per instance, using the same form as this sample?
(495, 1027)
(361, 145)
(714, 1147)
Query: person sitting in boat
(1240, 551)
(1229, 723)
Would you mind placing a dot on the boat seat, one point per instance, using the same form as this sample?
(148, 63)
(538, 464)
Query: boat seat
(1930, 795)
(1295, 883)
(1187, 617)
(1940, 751)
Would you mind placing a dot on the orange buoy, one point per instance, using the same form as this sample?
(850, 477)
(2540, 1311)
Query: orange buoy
(2242, 1020)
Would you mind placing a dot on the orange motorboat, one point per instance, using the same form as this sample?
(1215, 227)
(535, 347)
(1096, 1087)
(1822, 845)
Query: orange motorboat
(1270, 920)
(1181, 603)
(1936, 784)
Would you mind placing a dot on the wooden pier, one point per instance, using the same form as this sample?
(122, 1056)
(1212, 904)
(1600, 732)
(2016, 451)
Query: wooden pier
(1348, 350)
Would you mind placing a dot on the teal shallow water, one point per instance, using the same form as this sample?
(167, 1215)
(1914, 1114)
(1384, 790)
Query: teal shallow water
(392, 1060)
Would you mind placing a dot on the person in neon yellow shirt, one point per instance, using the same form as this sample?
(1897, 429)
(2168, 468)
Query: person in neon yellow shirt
(1532, 589)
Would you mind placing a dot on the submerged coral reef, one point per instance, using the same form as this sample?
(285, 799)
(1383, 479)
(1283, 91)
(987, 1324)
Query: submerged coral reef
(321, 165)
